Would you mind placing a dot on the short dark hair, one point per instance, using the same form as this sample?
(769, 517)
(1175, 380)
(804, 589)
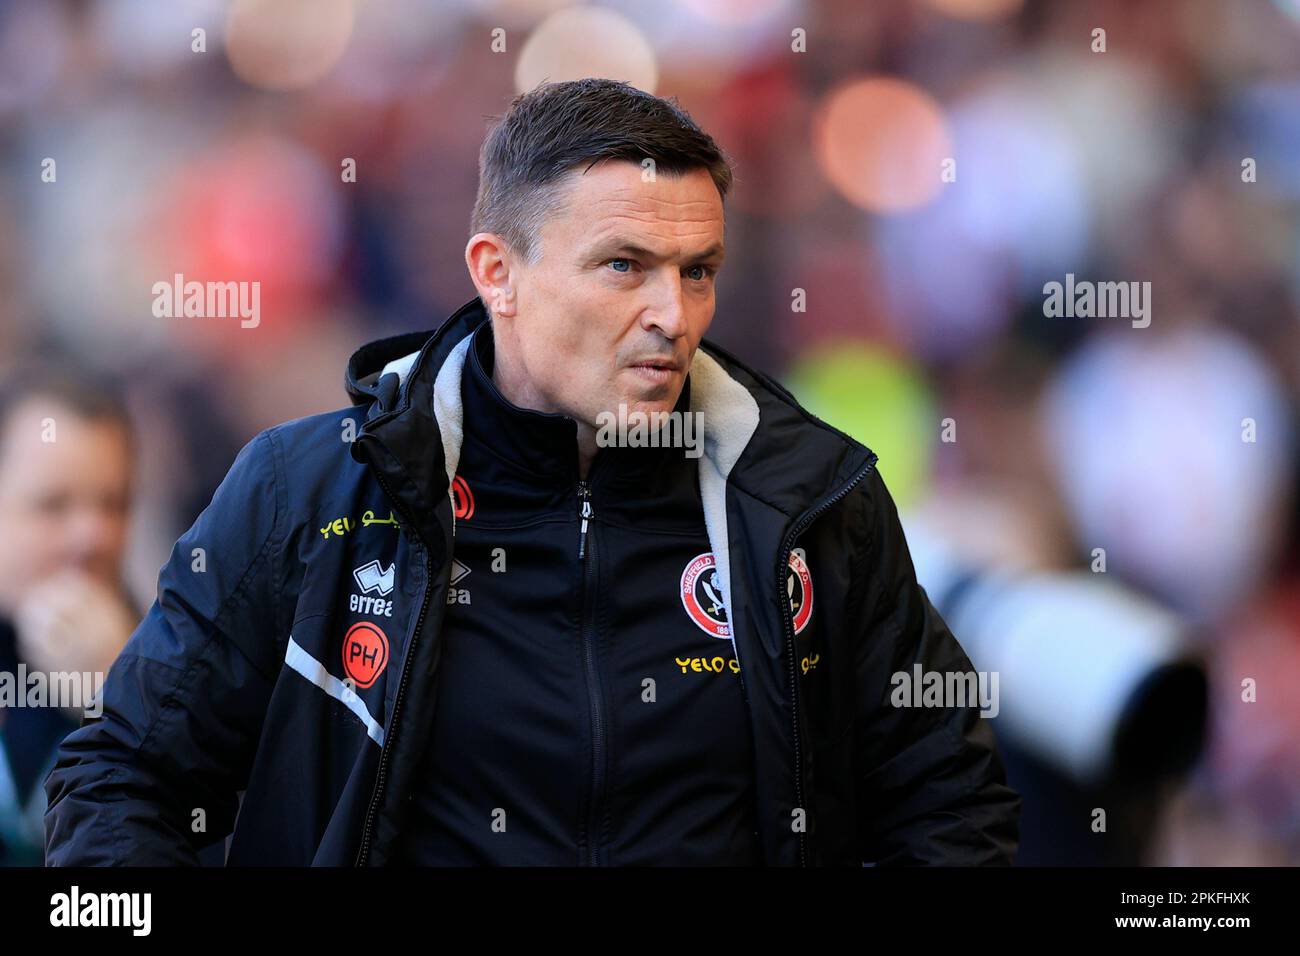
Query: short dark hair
(557, 126)
(88, 394)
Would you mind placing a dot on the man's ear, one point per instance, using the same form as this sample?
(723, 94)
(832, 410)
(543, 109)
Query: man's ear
(491, 265)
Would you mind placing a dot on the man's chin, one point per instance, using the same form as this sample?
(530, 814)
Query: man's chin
(633, 410)
(643, 404)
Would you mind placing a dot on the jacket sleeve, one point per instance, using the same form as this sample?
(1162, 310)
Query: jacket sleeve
(931, 785)
(156, 776)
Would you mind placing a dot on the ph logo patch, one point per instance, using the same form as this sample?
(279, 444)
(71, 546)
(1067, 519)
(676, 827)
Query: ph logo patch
(365, 652)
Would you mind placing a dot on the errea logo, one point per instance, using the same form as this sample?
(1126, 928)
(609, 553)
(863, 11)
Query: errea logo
(373, 579)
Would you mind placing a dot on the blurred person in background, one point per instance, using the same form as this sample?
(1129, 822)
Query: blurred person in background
(65, 486)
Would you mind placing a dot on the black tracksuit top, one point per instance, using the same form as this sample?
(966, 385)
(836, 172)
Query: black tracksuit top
(583, 716)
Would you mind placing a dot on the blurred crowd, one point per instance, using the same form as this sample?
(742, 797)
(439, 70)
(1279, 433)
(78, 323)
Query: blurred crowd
(1106, 512)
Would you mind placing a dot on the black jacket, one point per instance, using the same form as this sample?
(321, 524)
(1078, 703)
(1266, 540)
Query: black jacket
(588, 710)
(257, 686)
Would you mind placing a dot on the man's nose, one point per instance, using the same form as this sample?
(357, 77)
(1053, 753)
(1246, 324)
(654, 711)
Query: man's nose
(92, 539)
(668, 312)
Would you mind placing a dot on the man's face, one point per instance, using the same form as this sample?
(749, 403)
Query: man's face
(615, 307)
(63, 503)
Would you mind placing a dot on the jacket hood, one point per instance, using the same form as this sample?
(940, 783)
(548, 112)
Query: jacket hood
(757, 440)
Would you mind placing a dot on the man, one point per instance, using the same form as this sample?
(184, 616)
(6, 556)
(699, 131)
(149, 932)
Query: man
(455, 624)
(65, 481)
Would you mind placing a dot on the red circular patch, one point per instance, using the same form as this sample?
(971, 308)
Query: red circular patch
(365, 652)
(463, 497)
(702, 596)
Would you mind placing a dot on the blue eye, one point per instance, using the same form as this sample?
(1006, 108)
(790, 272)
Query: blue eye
(626, 262)
(705, 269)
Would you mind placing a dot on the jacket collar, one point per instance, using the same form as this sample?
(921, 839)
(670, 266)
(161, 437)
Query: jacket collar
(543, 446)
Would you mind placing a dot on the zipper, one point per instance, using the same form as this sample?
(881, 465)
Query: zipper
(593, 675)
(406, 669)
(782, 569)
(584, 495)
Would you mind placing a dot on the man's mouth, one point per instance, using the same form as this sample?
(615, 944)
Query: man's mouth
(656, 370)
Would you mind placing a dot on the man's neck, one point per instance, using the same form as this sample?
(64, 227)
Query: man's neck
(515, 387)
(587, 449)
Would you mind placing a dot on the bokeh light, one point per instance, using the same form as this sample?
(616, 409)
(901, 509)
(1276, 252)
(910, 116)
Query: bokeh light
(881, 142)
(287, 44)
(1016, 216)
(976, 9)
(1148, 438)
(579, 42)
(877, 397)
(262, 209)
(735, 12)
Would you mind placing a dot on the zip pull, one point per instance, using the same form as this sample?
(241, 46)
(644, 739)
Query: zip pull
(585, 491)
